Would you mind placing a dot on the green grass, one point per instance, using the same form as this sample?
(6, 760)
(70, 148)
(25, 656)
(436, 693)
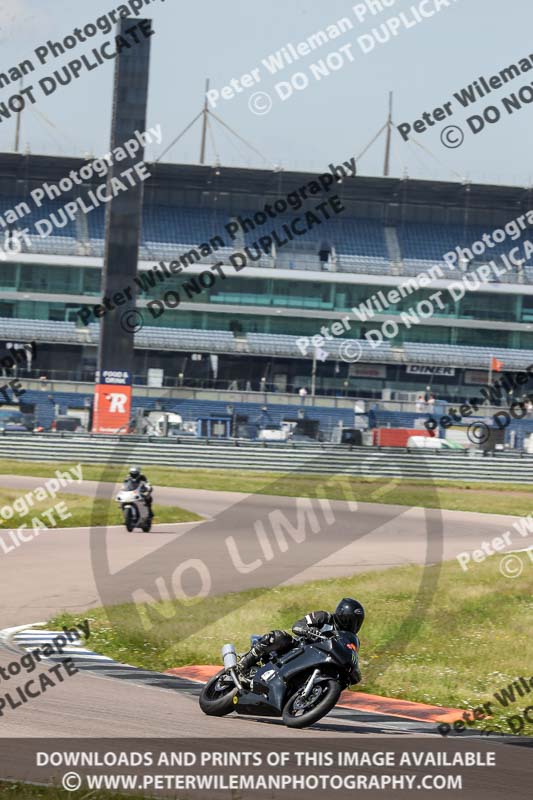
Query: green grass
(454, 643)
(84, 511)
(22, 791)
(495, 498)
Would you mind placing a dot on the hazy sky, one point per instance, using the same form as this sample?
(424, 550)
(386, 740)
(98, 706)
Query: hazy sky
(333, 118)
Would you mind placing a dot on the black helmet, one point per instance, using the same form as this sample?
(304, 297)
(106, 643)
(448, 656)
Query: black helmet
(349, 615)
(135, 473)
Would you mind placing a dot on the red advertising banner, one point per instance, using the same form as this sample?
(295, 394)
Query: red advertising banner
(112, 402)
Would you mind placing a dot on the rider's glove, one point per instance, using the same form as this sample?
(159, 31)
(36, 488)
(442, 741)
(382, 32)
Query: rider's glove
(300, 630)
(307, 631)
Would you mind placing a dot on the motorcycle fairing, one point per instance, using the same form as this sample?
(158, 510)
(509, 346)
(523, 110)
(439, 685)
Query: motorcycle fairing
(269, 694)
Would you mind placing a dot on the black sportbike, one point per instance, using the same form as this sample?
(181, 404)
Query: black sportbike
(301, 686)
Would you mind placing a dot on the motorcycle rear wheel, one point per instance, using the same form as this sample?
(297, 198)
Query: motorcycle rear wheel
(299, 712)
(216, 698)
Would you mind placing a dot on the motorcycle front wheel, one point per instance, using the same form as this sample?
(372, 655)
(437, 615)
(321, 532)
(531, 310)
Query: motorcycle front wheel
(216, 698)
(129, 519)
(300, 711)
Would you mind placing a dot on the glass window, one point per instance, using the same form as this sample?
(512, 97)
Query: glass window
(8, 273)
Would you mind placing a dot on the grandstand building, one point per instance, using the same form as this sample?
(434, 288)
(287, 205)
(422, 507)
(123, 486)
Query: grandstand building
(245, 331)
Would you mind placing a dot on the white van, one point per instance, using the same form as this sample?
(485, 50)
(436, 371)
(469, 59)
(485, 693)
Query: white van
(174, 425)
(431, 443)
(274, 433)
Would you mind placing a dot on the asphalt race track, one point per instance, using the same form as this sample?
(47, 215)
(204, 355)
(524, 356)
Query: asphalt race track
(54, 572)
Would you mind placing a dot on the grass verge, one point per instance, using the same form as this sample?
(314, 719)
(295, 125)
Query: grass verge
(82, 511)
(494, 498)
(473, 640)
(25, 791)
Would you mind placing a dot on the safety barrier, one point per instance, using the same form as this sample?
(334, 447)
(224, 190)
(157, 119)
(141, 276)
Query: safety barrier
(251, 456)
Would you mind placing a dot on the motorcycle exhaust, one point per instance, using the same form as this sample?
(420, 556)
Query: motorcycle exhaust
(229, 657)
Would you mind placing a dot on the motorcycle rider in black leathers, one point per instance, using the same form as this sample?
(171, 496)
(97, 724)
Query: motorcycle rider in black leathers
(136, 480)
(348, 616)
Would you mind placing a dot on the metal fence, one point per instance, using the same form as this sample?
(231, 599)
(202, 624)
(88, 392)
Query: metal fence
(272, 457)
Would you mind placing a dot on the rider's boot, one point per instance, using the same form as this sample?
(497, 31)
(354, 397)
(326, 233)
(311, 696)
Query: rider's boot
(249, 659)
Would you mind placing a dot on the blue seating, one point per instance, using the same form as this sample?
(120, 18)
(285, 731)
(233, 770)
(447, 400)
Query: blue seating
(219, 341)
(423, 243)
(358, 244)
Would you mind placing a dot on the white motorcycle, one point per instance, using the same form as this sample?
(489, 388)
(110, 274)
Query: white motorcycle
(135, 510)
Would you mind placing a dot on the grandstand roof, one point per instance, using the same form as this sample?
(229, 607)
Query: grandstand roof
(365, 195)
